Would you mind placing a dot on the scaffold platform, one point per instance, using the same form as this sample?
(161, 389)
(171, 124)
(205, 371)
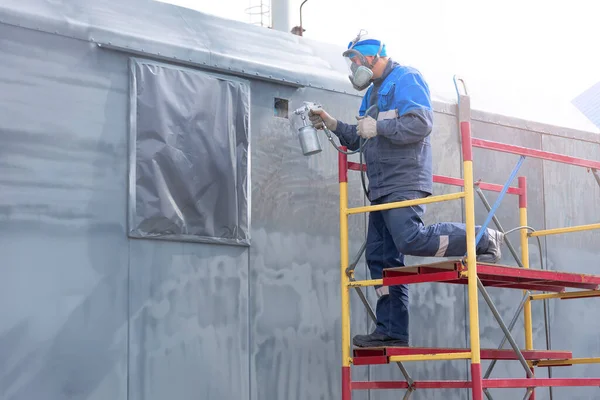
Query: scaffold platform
(386, 355)
(492, 275)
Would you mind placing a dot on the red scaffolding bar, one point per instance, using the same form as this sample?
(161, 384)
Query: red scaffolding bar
(447, 180)
(517, 383)
(544, 155)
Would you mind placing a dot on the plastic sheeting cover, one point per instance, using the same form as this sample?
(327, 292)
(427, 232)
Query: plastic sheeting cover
(189, 155)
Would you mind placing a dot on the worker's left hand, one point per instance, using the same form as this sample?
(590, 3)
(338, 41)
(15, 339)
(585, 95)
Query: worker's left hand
(367, 127)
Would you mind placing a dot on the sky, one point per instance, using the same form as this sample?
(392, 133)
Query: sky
(523, 58)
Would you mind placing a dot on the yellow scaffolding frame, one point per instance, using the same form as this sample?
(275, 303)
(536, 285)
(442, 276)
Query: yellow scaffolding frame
(478, 384)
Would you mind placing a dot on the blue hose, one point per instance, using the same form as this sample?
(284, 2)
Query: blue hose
(499, 200)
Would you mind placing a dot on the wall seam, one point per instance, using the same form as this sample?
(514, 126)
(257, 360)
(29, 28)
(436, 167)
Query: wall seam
(249, 327)
(128, 346)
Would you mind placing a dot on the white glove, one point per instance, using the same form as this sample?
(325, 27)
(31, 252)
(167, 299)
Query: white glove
(367, 127)
(319, 118)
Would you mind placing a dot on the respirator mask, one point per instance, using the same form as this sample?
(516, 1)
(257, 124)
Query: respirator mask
(361, 71)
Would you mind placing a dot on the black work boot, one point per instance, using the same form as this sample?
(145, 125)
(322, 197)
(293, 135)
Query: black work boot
(377, 340)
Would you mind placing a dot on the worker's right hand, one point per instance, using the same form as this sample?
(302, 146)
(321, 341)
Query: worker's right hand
(319, 117)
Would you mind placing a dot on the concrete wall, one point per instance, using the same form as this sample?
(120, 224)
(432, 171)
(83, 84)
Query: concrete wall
(89, 314)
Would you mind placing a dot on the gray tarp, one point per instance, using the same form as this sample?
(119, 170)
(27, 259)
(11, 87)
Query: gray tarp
(189, 175)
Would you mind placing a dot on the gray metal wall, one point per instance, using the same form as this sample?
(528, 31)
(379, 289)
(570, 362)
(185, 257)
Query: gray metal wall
(89, 314)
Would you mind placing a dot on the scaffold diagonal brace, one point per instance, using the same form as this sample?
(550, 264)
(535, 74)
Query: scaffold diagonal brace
(511, 325)
(507, 333)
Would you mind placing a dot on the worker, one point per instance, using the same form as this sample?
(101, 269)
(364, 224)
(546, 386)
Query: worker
(399, 167)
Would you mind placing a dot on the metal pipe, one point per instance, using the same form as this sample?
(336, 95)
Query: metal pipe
(301, 26)
(366, 304)
(488, 207)
(280, 15)
(408, 393)
(528, 394)
(511, 325)
(407, 376)
(354, 263)
(511, 340)
(556, 231)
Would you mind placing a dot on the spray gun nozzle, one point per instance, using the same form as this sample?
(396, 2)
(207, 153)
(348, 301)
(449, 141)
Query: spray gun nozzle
(308, 106)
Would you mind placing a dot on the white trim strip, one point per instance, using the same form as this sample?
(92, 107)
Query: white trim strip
(383, 291)
(444, 241)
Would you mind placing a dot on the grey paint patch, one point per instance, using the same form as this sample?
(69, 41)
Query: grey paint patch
(188, 321)
(63, 285)
(294, 279)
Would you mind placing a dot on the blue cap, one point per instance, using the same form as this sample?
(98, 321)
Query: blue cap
(369, 47)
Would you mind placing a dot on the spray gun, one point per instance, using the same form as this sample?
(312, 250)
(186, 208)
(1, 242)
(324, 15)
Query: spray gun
(309, 137)
(307, 134)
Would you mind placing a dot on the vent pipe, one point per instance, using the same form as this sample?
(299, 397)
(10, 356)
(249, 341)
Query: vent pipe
(280, 15)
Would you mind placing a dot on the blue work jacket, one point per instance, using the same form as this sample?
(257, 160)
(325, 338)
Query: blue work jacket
(398, 159)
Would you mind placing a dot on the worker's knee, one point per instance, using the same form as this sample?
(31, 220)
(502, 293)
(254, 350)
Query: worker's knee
(412, 240)
(405, 242)
(403, 247)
